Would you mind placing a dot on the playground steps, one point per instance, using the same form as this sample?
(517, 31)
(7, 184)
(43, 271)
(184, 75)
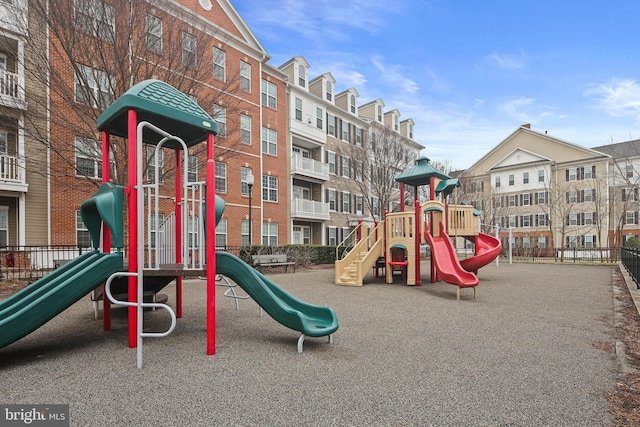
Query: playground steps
(349, 276)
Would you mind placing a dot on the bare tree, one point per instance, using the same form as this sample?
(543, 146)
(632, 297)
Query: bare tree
(376, 162)
(97, 50)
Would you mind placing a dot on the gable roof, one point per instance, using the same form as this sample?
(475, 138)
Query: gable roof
(522, 133)
(621, 149)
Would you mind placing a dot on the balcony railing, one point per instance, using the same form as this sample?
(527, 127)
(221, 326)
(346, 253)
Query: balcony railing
(308, 167)
(10, 169)
(12, 89)
(310, 209)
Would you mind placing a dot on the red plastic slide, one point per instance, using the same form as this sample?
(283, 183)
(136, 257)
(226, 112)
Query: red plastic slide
(446, 259)
(487, 249)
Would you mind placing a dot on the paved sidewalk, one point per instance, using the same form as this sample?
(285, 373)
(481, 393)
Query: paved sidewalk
(524, 353)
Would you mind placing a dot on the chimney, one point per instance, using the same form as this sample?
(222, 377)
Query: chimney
(528, 126)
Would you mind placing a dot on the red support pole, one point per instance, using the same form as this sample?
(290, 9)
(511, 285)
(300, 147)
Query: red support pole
(384, 242)
(402, 197)
(106, 234)
(417, 239)
(210, 232)
(179, 220)
(432, 196)
(132, 178)
(359, 232)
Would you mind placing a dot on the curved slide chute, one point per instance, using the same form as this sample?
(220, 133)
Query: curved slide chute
(487, 248)
(310, 320)
(35, 305)
(447, 264)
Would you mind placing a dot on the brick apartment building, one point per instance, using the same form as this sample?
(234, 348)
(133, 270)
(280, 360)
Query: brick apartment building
(210, 55)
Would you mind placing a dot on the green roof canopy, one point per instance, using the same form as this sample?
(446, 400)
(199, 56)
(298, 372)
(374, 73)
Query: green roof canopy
(421, 173)
(447, 186)
(163, 106)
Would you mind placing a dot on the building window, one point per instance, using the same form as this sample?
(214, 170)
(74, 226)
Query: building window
(344, 169)
(380, 113)
(88, 158)
(629, 171)
(631, 217)
(588, 172)
(269, 94)
(497, 201)
(221, 177)
(396, 126)
(589, 241)
(512, 221)
(332, 236)
(359, 137)
(359, 204)
(189, 56)
(541, 176)
(244, 232)
(245, 76)
(572, 196)
(331, 125)
(221, 233)
(193, 231)
(512, 200)
(302, 76)
(329, 91)
(542, 220)
(353, 104)
(630, 194)
(154, 164)
(345, 132)
(572, 174)
(83, 238)
(541, 198)
(269, 141)
(93, 87)
(299, 109)
(588, 218)
(497, 182)
(525, 177)
(220, 117)
(319, 117)
(269, 188)
(219, 64)
(526, 199)
(97, 18)
(332, 199)
(192, 169)
(512, 179)
(525, 221)
(589, 195)
(572, 219)
(358, 169)
(331, 160)
(375, 206)
(4, 226)
(346, 202)
(270, 234)
(243, 180)
(245, 129)
(153, 28)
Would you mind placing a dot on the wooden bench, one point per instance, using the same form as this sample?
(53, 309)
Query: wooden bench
(260, 261)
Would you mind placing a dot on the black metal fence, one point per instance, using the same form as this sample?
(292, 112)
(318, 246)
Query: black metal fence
(18, 263)
(568, 255)
(630, 258)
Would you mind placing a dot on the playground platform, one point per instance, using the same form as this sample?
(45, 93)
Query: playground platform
(522, 354)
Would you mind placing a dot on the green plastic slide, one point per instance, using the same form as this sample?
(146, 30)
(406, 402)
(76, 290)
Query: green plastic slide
(35, 305)
(311, 320)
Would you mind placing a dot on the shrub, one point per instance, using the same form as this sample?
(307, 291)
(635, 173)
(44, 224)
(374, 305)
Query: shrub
(633, 242)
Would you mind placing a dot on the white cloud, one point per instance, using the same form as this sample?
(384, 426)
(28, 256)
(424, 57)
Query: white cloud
(395, 76)
(507, 61)
(524, 109)
(619, 97)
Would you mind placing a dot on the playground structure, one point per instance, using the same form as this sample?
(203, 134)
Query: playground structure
(156, 255)
(433, 223)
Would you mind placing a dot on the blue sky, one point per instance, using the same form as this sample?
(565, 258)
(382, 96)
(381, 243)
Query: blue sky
(471, 72)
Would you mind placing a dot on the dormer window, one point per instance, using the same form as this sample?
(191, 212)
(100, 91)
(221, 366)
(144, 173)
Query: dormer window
(380, 113)
(395, 123)
(329, 91)
(302, 76)
(353, 104)
(410, 131)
